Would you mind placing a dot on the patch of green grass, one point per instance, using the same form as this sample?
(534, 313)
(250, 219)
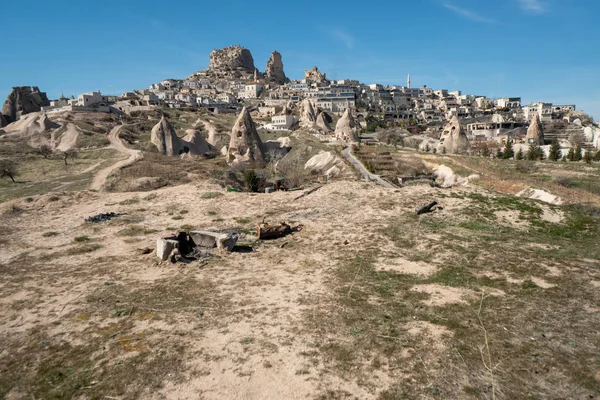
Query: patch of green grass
(87, 248)
(49, 234)
(177, 217)
(211, 195)
(128, 202)
(80, 239)
(186, 227)
(242, 221)
(211, 213)
(136, 230)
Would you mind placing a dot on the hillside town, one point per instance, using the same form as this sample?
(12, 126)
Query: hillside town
(232, 81)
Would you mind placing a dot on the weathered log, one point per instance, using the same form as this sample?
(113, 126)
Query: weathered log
(266, 231)
(427, 208)
(307, 193)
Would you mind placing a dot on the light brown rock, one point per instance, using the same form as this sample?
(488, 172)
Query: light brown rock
(165, 139)
(245, 146)
(196, 143)
(454, 139)
(535, 132)
(231, 60)
(23, 100)
(346, 129)
(314, 75)
(308, 113)
(274, 71)
(322, 123)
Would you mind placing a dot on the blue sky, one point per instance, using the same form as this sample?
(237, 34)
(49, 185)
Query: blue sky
(541, 50)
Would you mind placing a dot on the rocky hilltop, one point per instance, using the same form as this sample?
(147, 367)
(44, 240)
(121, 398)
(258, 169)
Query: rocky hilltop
(23, 100)
(235, 61)
(274, 71)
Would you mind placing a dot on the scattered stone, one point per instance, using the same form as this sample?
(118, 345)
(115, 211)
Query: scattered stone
(165, 247)
(208, 239)
(103, 217)
(454, 139)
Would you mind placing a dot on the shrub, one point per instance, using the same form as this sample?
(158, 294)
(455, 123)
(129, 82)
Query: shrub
(80, 239)
(211, 195)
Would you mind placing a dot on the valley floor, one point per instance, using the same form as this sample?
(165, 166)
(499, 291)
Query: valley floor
(490, 297)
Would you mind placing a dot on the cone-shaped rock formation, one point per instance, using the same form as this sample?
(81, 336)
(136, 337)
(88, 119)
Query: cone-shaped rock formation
(245, 146)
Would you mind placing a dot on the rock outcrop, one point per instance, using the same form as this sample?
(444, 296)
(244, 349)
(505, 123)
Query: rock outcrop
(322, 123)
(245, 147)
(196, 143)
(231, 61)
(274, 71)
(3, 121)
(167, 142)
(535, 132)
(346, 129)
(308, 113)
(165, 139)
(454, 139)
(314, 75)
(23, 100)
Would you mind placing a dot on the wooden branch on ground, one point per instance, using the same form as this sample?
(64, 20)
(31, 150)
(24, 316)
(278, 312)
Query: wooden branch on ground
(307, 193)
(426, 209)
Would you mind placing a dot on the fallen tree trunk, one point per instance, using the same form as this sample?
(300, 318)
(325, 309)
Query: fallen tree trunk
(266, 231)
(427, 208)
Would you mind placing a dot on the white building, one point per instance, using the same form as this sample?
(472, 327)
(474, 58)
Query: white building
(252, 90)
(281, 123)
(91, 98)
(509, 102)
(544, 110)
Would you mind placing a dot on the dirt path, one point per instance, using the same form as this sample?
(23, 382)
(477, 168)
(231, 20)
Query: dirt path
(68, 140)
(117, 144)
(364, 172)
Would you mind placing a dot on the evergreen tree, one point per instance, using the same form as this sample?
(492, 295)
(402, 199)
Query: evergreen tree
(554, 151)
(508, 153)
(532, 153)
(597, 156)
(499, 153)
(485, 152)
(520, 155)
(427, 148)
(540, 154)
(571, 155)
(578, 153)
(587, 157)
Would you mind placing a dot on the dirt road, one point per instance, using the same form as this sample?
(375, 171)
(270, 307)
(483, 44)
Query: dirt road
(117, 144)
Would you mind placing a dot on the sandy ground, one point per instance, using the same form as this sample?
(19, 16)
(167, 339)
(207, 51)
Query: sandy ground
(116, 143)
(68, 140)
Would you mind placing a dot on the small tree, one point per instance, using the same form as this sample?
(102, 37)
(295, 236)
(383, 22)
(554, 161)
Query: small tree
(251, 180)
(578, 153)
(571, 154)
(509, 152)
(532, 153)
(45, 150)
(554, 154)
(485, 152)
(427, 148)
(520, 155)
(8, 169)
(499, 153)
(587, 157)
(71, 153)
(597, 156)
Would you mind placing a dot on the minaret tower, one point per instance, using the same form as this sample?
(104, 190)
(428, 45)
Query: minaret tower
(408, 82)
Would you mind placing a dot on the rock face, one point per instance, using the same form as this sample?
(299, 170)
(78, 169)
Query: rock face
(322, 123)
(169, 144)
(245, 146)
(308, 114)
(196, 143)
(315, 75)
(274, 71)
(345, 129)
(3, 121)
(165, 139)
(535, 132)
(23, 100)
(234, 60)
(453, 139)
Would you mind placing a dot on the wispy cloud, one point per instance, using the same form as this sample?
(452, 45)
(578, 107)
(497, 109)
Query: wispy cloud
(344, 37)
(533, 6)
(469, 14)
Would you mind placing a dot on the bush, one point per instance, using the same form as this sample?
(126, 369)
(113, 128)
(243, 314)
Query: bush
(251, 180)
(211, 195)
(525, 167)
